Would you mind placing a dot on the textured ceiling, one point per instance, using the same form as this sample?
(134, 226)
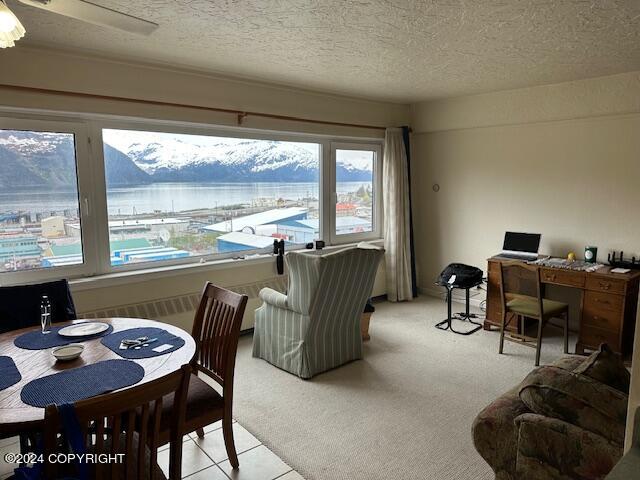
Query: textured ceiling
(403, 50)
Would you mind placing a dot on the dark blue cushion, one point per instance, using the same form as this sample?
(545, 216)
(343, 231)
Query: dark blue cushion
(20, 304)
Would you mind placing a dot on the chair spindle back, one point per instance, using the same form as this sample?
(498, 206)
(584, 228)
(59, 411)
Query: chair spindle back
(216, 330)
(108, 425)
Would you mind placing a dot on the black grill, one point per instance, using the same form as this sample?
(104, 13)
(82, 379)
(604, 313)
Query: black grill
(459, 275)
(467, 276)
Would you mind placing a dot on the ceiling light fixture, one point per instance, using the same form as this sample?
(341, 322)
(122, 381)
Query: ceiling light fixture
(10, 27)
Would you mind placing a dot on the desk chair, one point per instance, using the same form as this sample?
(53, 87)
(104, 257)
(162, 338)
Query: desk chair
(521, 292)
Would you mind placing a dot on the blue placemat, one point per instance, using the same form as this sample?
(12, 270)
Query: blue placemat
(163, 338)
(9, 374)
(36, 340)
(79, 383)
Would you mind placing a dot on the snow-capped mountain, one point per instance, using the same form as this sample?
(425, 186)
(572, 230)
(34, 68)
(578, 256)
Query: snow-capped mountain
(43, 143)
(250, 160)
(32, 158)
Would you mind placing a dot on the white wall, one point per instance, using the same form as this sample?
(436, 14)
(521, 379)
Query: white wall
(25, 66)
(562, 160)
(57, 70)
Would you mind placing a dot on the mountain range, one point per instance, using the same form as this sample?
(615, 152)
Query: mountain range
(31, 159)
(28, 160)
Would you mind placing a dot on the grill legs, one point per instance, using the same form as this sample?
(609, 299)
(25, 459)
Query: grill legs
(446, 324)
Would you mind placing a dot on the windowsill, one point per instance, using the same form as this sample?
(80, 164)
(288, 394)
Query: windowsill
(143, 275)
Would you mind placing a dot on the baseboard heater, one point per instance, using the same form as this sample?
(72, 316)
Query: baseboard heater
(169, 306)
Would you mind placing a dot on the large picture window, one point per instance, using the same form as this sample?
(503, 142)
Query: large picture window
(172, 196)
(89, 196)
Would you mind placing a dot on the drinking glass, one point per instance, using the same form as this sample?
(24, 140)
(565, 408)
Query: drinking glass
(45, 314)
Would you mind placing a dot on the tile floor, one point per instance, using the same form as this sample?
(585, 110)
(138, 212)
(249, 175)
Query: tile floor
(205, 458)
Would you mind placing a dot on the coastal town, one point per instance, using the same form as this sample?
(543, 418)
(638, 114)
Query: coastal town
(52, 239)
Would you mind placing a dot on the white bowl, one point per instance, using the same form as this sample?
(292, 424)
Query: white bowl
(68, 352)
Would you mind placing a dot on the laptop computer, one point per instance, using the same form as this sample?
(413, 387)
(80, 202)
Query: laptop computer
(520, 246)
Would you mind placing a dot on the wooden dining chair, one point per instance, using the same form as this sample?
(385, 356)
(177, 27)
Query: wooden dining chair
(108, 426)
(522, 298)
(216, 329)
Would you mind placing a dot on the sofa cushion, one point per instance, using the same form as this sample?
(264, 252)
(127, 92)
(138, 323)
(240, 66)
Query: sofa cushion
(568, 362)
(606, 367)
(549, 448)
(576, 399)
(495, 434)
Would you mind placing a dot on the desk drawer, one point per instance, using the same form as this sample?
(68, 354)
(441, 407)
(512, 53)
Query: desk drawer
(603, 302)
(562, 277)
(592, 337)
(599, 317)
(609, 285)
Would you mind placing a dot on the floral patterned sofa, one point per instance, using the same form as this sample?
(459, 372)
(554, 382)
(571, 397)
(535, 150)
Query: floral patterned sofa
(565, 421)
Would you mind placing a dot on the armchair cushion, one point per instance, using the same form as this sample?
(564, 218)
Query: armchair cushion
(606, 367)
(273, 297)
(549, 448)
(576, 399)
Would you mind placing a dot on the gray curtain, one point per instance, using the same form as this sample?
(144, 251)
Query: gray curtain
(395, 197)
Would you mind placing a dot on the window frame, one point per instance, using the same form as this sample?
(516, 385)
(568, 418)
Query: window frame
(203, 130)
(377, 210)
(86, 199)
(92, 187)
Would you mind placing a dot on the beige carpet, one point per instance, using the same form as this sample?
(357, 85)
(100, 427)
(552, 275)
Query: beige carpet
(403, 412)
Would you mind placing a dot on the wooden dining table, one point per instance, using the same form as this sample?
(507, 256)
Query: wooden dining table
(17, 417)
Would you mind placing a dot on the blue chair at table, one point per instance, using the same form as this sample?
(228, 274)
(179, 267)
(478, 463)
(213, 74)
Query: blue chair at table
(20, 308)
(20, 304)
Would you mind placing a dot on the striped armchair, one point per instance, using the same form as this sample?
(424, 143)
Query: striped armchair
(316, 326)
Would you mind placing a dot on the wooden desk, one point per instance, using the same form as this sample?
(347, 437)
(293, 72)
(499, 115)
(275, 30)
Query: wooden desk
(607, 307)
